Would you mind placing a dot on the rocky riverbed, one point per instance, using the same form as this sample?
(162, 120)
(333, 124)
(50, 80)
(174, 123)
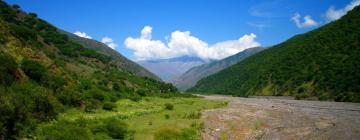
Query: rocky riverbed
(281, 118)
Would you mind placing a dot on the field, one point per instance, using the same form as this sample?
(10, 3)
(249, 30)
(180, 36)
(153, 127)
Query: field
(146, 119)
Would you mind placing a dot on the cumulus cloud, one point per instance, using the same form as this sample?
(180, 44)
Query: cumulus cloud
(109, 42)
(307, 21)
(82, 34)
(335, 14)
(182, 43)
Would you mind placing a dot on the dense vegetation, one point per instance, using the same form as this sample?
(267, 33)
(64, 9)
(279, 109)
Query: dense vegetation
(44, 73)
(323, 63)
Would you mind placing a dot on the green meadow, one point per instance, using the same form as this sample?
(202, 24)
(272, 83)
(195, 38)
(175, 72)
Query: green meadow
(147, 119)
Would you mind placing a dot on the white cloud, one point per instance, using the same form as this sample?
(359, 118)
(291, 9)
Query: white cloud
(183, 43)
(307, 22)
(82, 34)
(333, 14)
(109, 42)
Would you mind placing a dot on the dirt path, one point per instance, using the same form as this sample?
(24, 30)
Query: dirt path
(253, 118)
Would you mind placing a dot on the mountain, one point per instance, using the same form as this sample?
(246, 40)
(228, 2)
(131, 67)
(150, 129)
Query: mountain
(119, 60)
(323, 63)
(168, 69)
(190, 77)
(43, 72)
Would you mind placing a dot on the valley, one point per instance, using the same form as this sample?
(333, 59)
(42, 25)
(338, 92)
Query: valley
(243, 79)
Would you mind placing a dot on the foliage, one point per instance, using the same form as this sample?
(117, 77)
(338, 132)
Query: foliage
(34, 70)
(322, 63)
(7, 69)
(116, 129)
(109, 106)
(22, 106)
(169, 106)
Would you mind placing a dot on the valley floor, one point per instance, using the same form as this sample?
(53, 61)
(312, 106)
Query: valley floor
(262, 118)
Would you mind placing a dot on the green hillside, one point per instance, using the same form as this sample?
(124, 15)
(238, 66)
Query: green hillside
(323, 63)
(43, 72)
(119, 60)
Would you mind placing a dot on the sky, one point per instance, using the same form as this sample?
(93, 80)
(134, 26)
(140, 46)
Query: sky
(209, 29)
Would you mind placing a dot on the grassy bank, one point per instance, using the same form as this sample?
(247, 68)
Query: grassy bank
(147, 119)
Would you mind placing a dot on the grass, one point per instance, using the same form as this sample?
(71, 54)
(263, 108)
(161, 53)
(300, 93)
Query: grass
(149, 116)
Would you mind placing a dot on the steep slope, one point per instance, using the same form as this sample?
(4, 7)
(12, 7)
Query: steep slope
(43, 72)
(324, 63)
(168, 69)
(121, 61)
(190, 77)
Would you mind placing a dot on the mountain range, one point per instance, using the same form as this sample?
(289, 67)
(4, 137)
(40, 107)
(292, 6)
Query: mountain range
(170, 69)
(190, 77)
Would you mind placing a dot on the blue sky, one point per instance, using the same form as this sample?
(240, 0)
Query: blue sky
(211, 21)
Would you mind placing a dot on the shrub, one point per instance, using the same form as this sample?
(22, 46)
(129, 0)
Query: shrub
(33, 14)
(34, 70)
(97, 94)
(109, 106)
(23, 106)
(22, 32)
(91, 105)
(167, 116)
(134, 97)
(169, 106)
(70, 97)
(116, 129)
(7, 69)
(141, 92)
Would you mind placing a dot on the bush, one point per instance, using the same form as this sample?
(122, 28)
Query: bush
(134, 97)
(33, 15)
(169, 106)
(97, 94)
(70, 97)
(109, 106)
(34, 70)
(167, 116)
(141, 92)
(7, 69)
(23, 106)
(116, 129)
(91, 105)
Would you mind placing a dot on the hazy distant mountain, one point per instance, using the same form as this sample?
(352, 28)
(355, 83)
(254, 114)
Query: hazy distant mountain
(190, 77)
(323, 63)
(168, 69)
